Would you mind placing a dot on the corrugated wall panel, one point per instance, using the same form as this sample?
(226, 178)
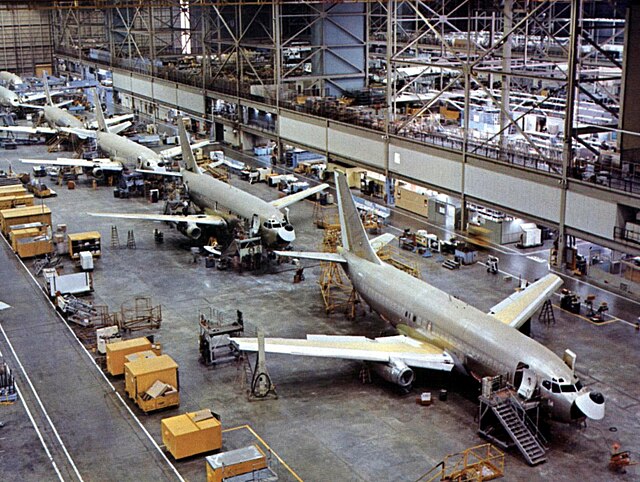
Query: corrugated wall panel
(165, 92)
(434, 170)
(591, 215)
(192, 101)
(142, 86)
(122, 81)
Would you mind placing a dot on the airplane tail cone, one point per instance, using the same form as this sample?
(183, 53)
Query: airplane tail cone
(591, 405)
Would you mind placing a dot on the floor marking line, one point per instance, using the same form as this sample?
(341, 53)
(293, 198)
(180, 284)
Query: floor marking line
(113, 389)
(35, 426)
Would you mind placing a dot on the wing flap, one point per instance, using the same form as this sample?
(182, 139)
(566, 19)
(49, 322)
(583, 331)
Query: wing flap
(283, 202)
(104, 164)
(207, 219)
(28, 130)
(516, 309)
(382, 350)
(381, 241)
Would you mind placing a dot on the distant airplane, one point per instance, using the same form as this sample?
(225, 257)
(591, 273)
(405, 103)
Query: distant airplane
(438, 331)
(266, 217)
(122, 152)
(10, 79)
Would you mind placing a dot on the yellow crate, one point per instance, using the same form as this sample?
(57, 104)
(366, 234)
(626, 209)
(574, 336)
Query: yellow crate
(185, 435)
(117, 351)
(25, 215)
(140, 374)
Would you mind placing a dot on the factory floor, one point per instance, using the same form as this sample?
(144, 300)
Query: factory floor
(325, 425)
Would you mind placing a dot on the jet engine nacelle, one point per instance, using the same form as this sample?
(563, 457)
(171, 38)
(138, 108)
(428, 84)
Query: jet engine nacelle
(396, 372)
(97, 173)
(193, 231)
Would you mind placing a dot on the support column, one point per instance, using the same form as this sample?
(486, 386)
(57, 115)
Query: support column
(629, 106)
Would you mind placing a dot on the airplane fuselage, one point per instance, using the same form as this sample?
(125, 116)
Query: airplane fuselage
(57, 117)
(10, 78)
(210, 193)
(478, 342)
(127, 152)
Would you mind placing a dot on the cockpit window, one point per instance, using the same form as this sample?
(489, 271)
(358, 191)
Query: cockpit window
(568, 388)
(555, 388)
(546, 384)
(578, 385)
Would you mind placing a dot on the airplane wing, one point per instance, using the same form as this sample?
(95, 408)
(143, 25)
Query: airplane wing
(412, 352)
(30, 106)
(116, 129)
(117, 119)
(520, 306)
(175, 151)
(209, 219)
(28, 130)
(381, 241)
(159, 173)
(104, 164)
(320, 256)
(81, 133)
(283, 202)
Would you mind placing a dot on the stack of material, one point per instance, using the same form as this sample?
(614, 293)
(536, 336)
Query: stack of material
(236, 462)
(158, 389)
(8, 391)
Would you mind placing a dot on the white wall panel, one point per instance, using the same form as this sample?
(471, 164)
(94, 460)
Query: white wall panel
(306, 133)
(518, 194)
(591, 215)
(434, 170)
(192, 101)
(122, 81)
(141, 86)
(165, 92)
(361, 148)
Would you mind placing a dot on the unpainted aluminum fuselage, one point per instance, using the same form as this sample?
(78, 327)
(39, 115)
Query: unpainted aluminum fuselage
(210, 193)
(57, 117)
(479, 342)
(8, 98)
(121, 149)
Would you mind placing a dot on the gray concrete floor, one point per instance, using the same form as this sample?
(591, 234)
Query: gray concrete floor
(326, 425)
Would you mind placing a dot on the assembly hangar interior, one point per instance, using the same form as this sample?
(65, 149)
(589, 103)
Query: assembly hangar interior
(322, 241)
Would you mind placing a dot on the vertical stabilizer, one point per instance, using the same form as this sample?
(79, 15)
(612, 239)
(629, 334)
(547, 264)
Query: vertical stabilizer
(102, 124)
(354, 237)
(47, 93)
(185, 146)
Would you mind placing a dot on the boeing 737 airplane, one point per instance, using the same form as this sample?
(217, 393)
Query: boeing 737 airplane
(440, 332)
(266, 217)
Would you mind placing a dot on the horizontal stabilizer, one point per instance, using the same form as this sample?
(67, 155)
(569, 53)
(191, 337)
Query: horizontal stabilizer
(176, 151)
(383, 350)
(81, 133)
(283, 202)
(112, 120)
(30, 106)
(118, 128)
(319, 256)
(207, 219)
(520, 306)
(381, 241)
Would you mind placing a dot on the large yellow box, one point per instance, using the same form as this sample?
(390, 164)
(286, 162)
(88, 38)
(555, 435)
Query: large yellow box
(191, 433)
(141, 374)
(235, 462)
(118, 350)
(89, 241)
(29, 214)
(12, 190)
(15, 200)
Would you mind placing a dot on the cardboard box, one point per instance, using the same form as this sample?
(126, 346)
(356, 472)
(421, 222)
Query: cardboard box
(191, 433)
(117, 351)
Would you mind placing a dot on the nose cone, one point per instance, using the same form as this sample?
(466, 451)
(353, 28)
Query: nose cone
(287, 234)
(591, 405)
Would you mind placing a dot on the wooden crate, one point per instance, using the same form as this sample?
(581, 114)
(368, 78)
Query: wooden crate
(117, 351)
(12, 190)
(191, 433)
(16, 200)
(30, 214)
(171, 399)
(89, 241)
(235, 462)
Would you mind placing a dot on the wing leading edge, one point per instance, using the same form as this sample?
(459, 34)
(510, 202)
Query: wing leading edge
(413, 353)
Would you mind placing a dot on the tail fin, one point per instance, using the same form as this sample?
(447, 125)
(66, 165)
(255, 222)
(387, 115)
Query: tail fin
(187, 153)
(47, 93)
(102, 124)
(354, 237)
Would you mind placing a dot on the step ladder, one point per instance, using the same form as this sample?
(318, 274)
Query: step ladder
(526, 441)
(115, 240)
(451, 264)
(131, 240)
(546, 315)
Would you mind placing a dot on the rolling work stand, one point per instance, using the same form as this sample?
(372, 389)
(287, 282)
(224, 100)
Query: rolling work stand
(8, 392)
(215, 346)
